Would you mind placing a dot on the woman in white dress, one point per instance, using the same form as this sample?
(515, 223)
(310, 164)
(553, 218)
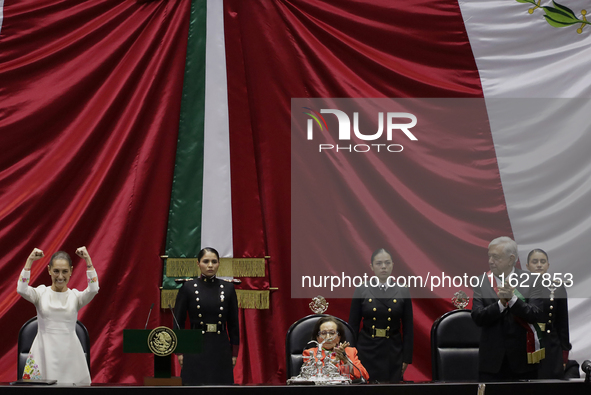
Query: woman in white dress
(56, 353)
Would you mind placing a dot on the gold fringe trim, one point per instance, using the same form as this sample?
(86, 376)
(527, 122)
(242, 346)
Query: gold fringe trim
(181, 267)
(229, 267)
(225, 269)
(249, 299)
(168, 296)
(248, 267)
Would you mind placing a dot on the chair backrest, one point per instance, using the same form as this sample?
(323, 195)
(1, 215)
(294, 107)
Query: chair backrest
(298, 337)
(27, 334)
(455, 340)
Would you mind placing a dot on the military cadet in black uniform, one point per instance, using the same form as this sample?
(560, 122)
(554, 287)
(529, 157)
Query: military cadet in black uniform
(213, 309)
(556, 333)
(385, 341)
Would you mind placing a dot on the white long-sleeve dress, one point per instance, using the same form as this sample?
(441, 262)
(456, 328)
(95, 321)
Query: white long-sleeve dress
(56, 353)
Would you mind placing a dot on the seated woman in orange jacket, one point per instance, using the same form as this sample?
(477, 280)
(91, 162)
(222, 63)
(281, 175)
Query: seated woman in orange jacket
(332, 331)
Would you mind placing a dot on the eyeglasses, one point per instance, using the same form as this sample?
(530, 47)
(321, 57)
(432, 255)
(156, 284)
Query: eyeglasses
(328, 333)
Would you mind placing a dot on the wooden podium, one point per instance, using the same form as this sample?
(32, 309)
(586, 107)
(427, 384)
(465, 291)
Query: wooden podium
(186, 341)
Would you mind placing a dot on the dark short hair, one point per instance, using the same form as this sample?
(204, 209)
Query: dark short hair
(206, 250)
(329, 318)
(534, 251)
(378, 251)
(61, 255)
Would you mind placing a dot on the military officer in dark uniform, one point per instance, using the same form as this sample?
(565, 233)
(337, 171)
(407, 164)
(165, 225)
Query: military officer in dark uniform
(385, 339)
(556, 333)
(213, 309)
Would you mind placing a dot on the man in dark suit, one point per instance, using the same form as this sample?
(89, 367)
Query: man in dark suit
(509, 349)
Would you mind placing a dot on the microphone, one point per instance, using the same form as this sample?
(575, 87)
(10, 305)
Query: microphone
(150, 312)
(177, 323)
(361, 379)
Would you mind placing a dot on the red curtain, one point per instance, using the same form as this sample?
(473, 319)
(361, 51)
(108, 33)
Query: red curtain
(90, 99)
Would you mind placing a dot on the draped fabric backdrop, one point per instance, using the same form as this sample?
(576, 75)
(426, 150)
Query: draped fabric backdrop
(90, 99)
(93, 105)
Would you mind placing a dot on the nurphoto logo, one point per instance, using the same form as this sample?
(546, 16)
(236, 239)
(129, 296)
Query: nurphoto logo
(396, 122)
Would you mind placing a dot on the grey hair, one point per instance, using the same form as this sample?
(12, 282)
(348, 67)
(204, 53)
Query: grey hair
(509, 245)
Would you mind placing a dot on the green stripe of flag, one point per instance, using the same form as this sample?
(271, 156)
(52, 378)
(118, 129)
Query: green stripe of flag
(183, 237)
